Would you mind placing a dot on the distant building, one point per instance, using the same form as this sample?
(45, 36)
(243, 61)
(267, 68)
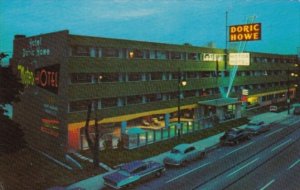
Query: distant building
(130, 84)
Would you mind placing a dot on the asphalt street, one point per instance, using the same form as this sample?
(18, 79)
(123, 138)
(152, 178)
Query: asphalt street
(267, 161)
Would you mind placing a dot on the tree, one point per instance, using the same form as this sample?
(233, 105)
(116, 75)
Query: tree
(93, 143)
(11, 136)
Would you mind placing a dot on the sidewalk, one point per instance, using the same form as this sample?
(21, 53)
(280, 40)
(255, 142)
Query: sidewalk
(96, 182)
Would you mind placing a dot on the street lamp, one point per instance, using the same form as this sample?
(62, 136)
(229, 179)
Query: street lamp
(181, 83)
(288, 91)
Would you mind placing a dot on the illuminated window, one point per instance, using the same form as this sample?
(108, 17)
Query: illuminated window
(108, 77)
(136, 54)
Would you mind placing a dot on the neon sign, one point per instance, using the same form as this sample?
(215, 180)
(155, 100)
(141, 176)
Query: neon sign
(35, 48)
(245, 32)
(47, 78)
(50, 126)
(27, 77)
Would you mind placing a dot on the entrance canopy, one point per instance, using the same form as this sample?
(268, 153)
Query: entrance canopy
(223, 108)
(219, 102)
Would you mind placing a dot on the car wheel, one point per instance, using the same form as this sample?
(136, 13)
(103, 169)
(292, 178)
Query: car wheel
(202, 155)
(184, 163)
(158, 174)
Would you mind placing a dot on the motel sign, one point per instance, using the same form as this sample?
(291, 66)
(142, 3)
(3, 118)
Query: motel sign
(245, 32)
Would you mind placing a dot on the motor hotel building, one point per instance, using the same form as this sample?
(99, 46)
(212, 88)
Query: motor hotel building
(130, 83)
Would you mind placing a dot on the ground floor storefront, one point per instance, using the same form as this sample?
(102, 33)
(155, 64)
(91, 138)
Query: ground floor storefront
(149, 127)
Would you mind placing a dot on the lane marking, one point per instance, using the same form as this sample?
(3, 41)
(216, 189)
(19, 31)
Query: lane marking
(294, 122)
(274, 132)
(242, 167)
(187, 172)
(239, 148)
(294, 164)
(267, 185)
(282, 144)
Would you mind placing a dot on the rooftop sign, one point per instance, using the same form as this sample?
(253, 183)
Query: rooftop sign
(242, 59)
(245, 32)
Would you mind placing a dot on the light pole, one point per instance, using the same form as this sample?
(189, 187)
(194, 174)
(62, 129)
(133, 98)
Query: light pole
(288, 92)
(181, 82)
(288, 89)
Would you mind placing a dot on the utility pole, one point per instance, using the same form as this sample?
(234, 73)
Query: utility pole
(180, 83)
(288, 91)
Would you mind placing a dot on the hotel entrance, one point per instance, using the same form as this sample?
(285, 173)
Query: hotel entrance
(218, 110)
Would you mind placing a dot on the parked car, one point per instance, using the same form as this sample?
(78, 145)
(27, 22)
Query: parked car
(183, 153)
(273, 108)
(257, 127)
(297, 110)
(132, 172)
(234, 136)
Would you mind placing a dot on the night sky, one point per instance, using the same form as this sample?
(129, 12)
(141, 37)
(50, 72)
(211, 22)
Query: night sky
(166, 21)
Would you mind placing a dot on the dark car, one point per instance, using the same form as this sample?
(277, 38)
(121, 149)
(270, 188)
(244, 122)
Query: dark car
(132, 172)
(257, 127)
(234, 136)
(297, 110)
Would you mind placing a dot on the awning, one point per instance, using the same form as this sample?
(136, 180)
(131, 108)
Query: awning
(220, 102)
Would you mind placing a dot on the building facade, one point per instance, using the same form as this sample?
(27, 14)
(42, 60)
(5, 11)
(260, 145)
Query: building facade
(129, 84)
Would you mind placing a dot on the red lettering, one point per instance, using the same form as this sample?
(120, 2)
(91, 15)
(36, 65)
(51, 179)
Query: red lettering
(49, 79)
(52, 79)
(56, 79)
(37, 77)
(43, 77)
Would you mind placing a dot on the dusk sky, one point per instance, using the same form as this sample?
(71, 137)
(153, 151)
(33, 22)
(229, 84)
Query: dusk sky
(166, 21)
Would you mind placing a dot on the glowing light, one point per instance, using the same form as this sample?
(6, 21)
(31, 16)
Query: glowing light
(131, 54)
(183, 83)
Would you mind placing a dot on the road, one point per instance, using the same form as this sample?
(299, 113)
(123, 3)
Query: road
(267, 161)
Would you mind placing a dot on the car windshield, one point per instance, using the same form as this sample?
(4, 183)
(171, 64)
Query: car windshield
(297, 108)
(175, 151)
(231, 132)
(124, 172)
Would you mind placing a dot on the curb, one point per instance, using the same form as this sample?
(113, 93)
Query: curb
(102, 165)
(210, 149)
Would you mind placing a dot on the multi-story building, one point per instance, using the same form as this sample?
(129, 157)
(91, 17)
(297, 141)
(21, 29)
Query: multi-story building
(129, 83)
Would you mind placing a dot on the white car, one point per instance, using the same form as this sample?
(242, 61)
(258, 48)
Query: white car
(183, 153)
(257, 127)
